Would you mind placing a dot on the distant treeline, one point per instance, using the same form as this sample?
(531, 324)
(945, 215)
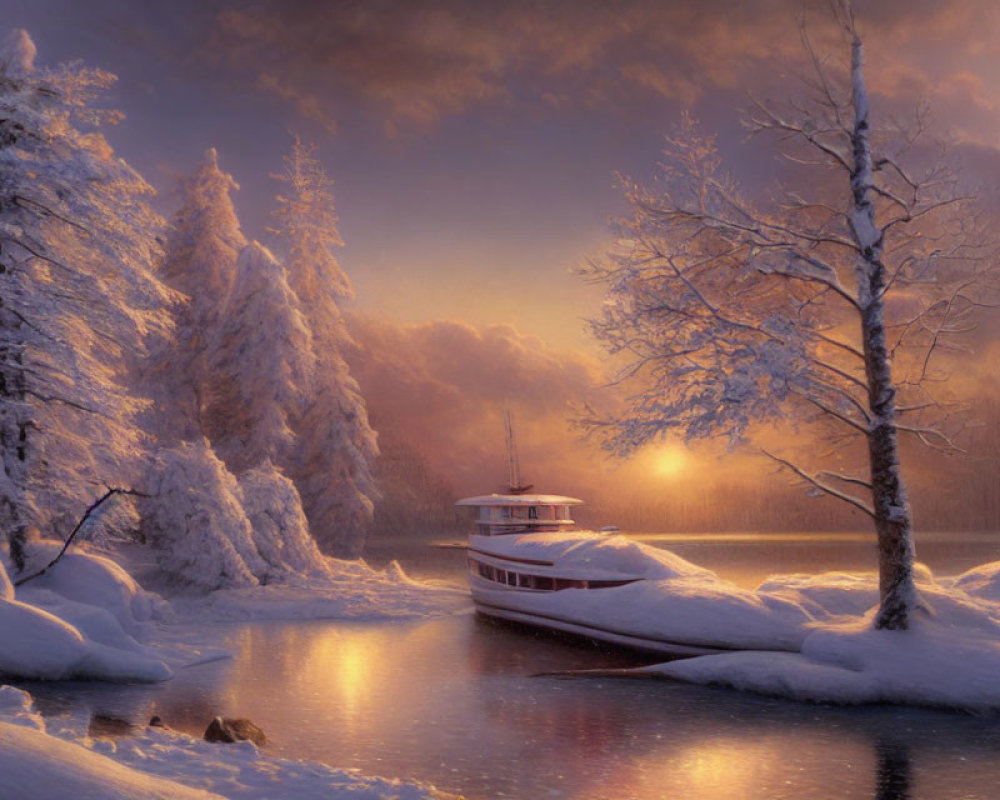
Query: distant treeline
(948, 492)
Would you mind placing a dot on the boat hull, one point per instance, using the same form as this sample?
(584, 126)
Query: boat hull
(528, 608)
(587, 632)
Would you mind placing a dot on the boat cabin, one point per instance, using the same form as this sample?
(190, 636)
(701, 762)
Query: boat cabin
(521, 513)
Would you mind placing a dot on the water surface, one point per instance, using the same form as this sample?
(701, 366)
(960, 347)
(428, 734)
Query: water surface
(456, 702)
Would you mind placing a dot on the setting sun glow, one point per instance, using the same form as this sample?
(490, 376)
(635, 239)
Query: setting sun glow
(668, 461)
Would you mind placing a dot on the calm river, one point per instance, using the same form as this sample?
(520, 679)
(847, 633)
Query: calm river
(454, 702)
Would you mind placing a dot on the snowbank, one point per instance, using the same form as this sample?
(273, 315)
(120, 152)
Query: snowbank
(160, 763)
(949, 658)
(933, 664)
(34, 765)
(80, 620)
(982, 582)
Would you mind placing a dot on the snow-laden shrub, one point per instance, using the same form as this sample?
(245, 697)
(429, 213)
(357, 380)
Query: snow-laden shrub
(194, 517)
(280, 528)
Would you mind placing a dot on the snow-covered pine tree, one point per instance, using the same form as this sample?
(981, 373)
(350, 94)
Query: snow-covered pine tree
(194, 519)
(219, 512)
(79, 302)
(212, 530)
(825, 307)
(263, 367)
(332, 467)
(203, 247)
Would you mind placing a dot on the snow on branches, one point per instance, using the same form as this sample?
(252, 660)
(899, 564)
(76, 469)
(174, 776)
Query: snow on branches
(824, 305)
(333, 465)
(80, 303)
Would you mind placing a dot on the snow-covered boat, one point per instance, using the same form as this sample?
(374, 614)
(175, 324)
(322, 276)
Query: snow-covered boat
(527, 564)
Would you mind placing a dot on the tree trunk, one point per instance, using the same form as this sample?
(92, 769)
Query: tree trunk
(13, 438)
(893, 524)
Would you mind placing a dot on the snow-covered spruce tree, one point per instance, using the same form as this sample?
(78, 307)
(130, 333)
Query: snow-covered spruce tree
(214, 531)
(825, 306)
(332, 467)
(203, 247)
(79, 303)
(280, 529)
(193, 517)
(262, 366)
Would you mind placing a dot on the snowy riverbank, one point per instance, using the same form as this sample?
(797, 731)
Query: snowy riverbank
(949, 658)
(37, 763)
(86, 618)
(807, 637)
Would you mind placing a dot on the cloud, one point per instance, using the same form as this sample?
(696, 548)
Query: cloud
(437, 393)
(417, 63)
(442, 387)
(308, 106)
(411, 64)
(440, 390)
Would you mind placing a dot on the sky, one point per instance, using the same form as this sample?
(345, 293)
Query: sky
(476, 146)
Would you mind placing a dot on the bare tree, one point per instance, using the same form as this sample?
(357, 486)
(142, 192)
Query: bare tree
(824, 305)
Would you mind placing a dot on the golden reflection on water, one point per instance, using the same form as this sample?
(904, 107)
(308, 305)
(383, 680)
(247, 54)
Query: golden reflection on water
(340, 661)
(725, 769)
(734, 768)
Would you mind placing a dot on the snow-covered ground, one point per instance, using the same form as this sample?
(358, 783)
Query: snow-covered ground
(352, 590)
(159, 764)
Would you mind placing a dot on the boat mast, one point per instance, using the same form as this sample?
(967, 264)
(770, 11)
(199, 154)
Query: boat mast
(514, 485)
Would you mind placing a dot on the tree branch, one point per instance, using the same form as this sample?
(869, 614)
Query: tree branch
(87, 515)
(814, 480)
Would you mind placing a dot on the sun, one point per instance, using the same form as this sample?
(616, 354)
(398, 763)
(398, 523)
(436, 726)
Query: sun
(668, 461)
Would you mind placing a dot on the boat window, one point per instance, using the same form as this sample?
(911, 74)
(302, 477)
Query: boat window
(541, 583)
(532, 512)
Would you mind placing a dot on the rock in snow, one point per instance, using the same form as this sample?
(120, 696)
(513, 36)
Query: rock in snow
(234, 730)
